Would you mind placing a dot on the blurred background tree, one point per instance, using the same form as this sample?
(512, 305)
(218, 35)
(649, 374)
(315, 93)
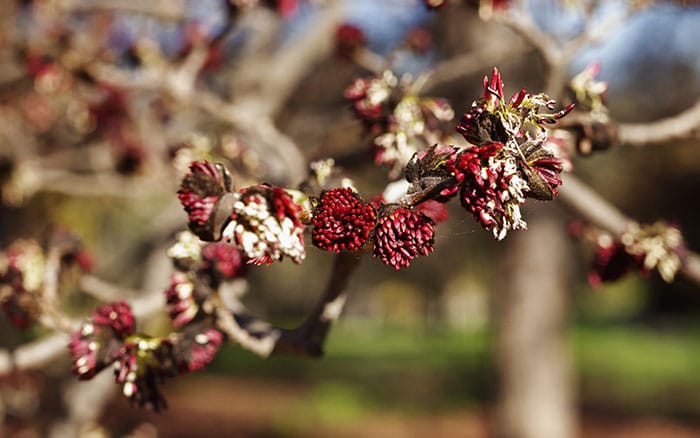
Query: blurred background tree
(105, 103)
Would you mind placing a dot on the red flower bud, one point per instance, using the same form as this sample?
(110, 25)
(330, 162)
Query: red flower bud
(342, 221)
(401, 236)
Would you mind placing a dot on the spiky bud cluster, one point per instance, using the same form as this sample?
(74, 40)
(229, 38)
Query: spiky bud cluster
(96, 344)
(140, 362)
(401, 236)
(342, 221)
(199, 193)
(180, 299)
(200, 269)
(492, 189)
(493, 119)
(197, 348)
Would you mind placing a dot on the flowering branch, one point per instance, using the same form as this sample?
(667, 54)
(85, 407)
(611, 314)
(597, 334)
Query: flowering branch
(600, 212)
(508, 160)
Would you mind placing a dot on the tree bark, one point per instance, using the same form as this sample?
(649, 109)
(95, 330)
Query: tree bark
(536, 398)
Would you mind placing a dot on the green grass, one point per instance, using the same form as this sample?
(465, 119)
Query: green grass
(627, 368)
(640, 368)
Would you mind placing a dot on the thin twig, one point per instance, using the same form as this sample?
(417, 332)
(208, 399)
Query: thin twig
(682, 125)
(173, 10)
(35, 354)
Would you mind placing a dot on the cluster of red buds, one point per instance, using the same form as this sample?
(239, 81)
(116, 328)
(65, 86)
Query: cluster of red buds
(344, 222)
(641, 248)
(517, 120)
(201, 268)
(140, 362)
(264, 221)
(508, 162)
(400, 122)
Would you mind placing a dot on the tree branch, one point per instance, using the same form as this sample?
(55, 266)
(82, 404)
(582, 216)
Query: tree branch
(173, 10)
(306, 340)
(35, 354)
(587, 203)
(679, 126)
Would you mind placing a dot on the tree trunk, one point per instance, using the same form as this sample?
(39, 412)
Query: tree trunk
(536, 397)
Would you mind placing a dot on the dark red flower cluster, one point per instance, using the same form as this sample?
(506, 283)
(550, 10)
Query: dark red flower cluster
(611, 261)
(492, 190)
(222, 261)
(488, 178)
(401, 236)
(372, 99)
(197, 348)
(641, 248)
(348, 38)
(180, 299)
(491, 119)
(97, 343)
(142, 364)
(199, 192)
(342, 221)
